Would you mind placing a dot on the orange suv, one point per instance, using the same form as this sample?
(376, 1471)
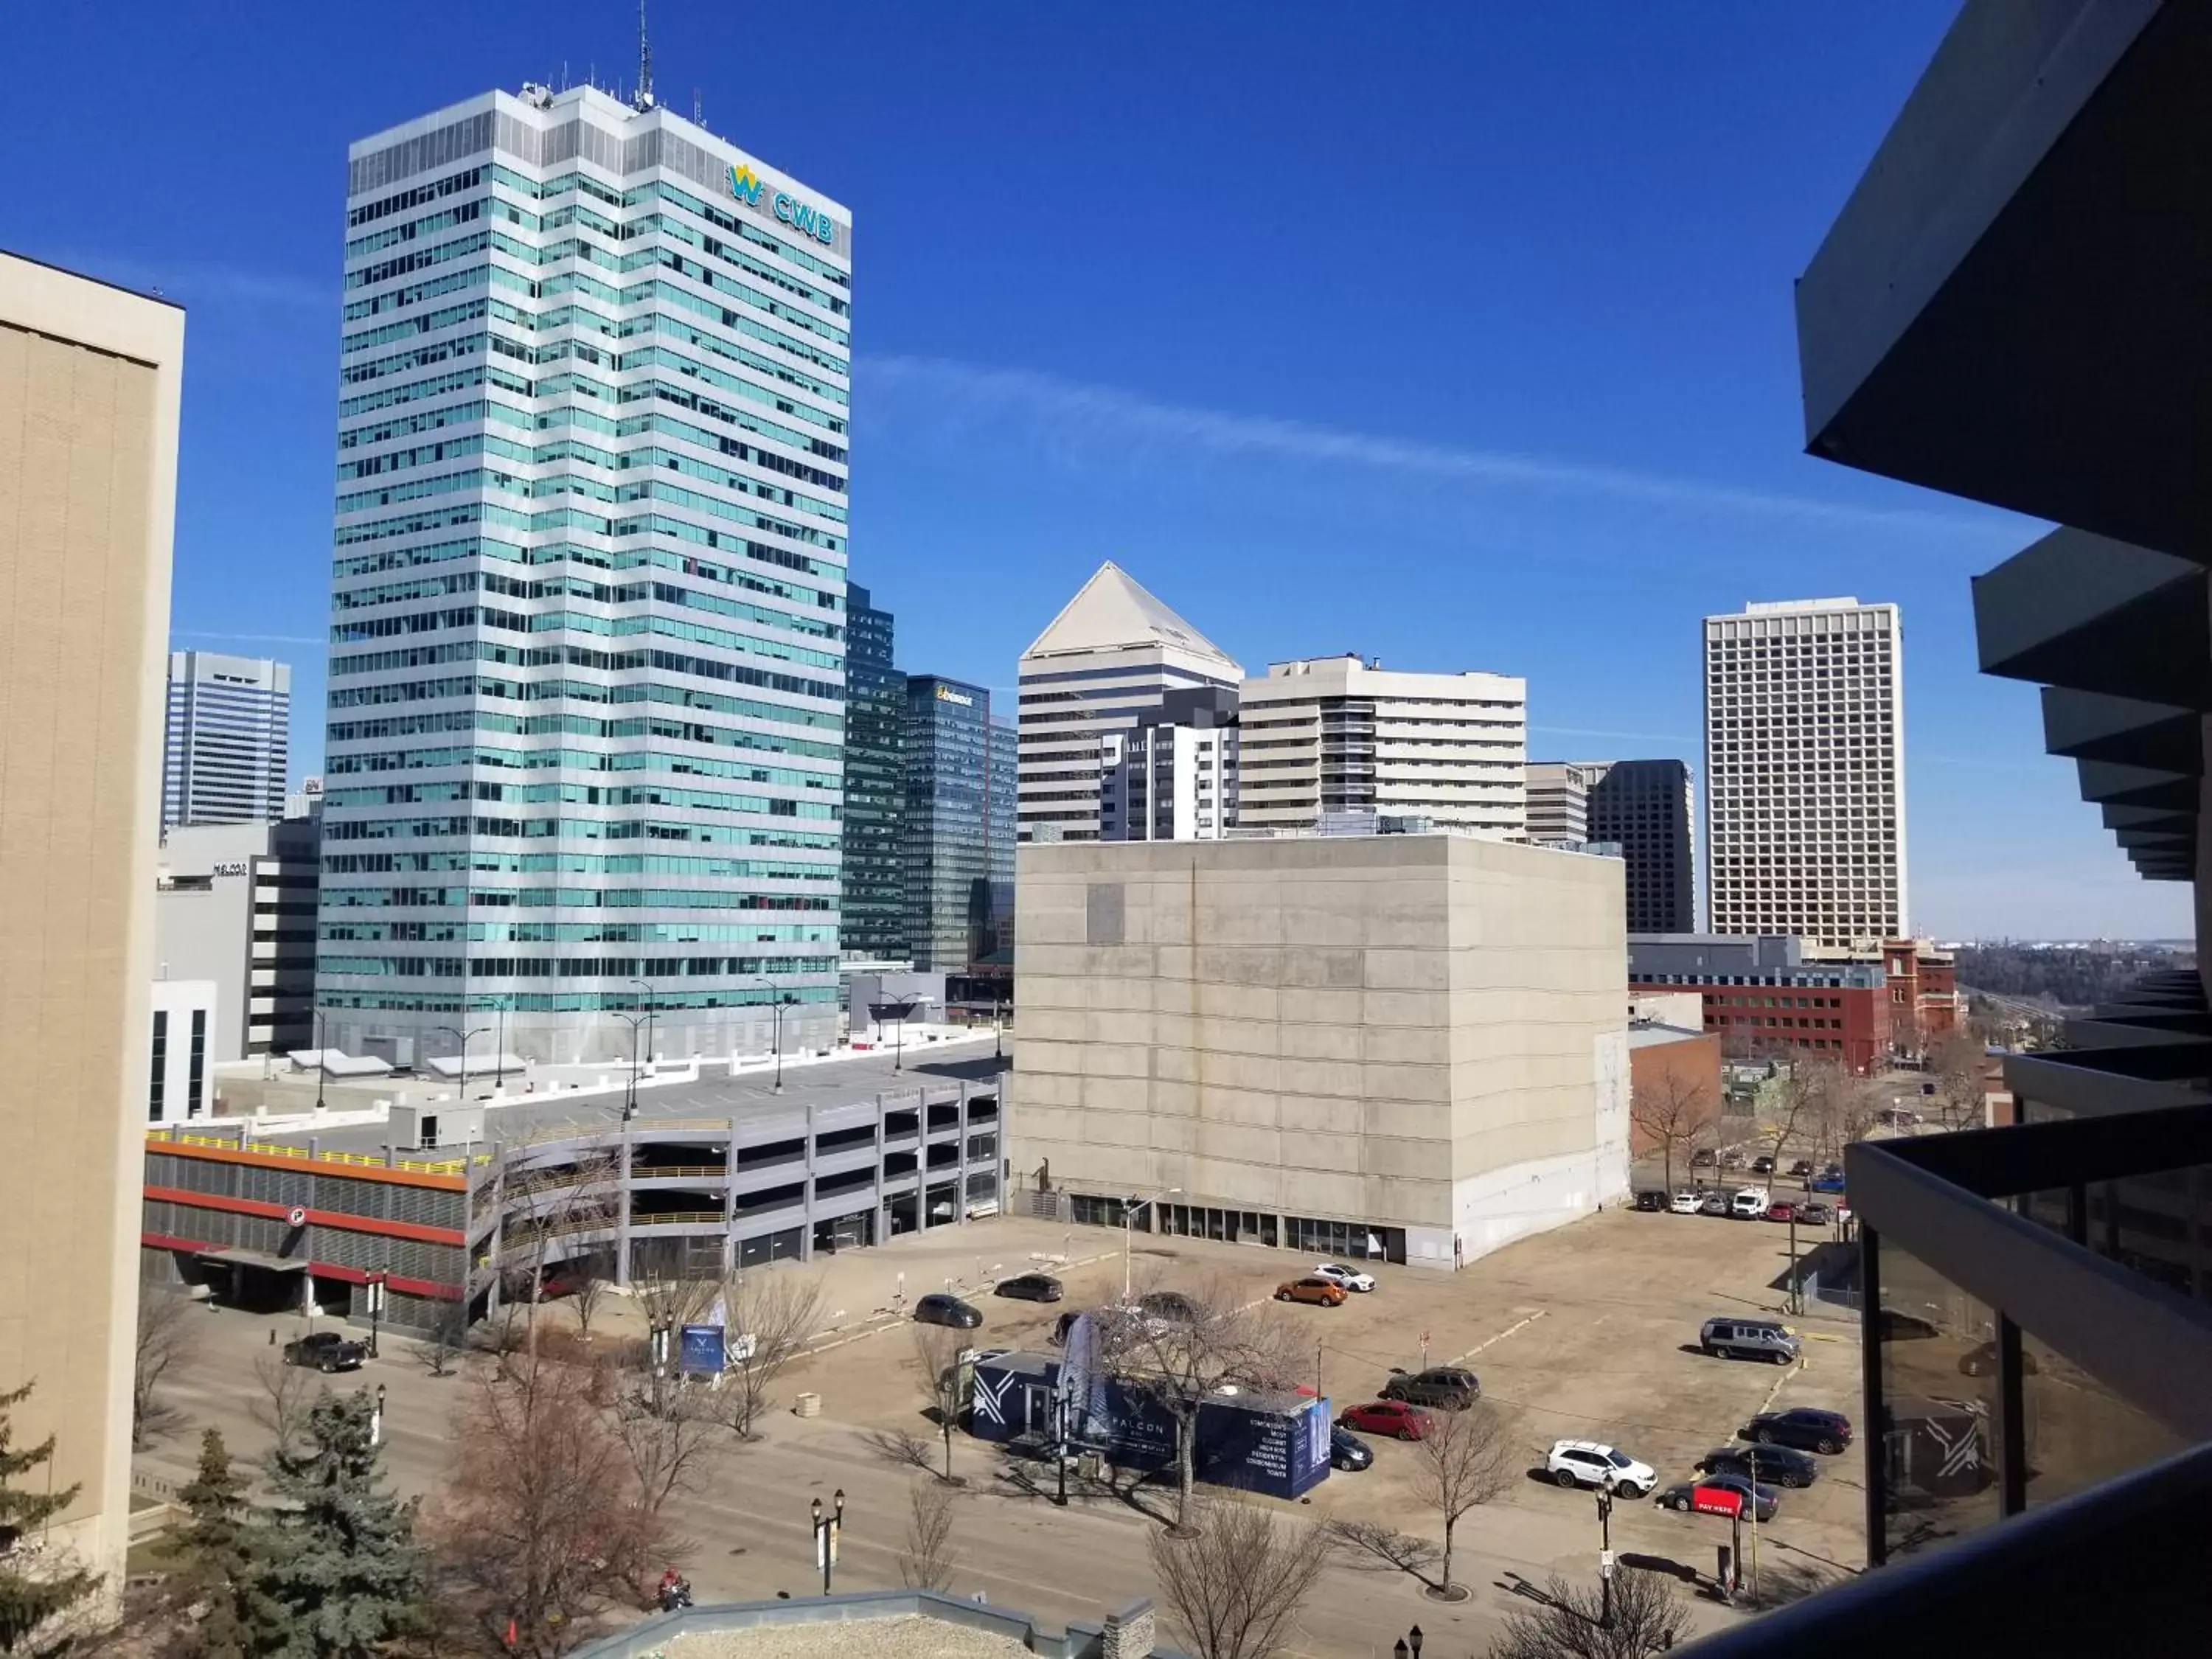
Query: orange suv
(1324, 1292)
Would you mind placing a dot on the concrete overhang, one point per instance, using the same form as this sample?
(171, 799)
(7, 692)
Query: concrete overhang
(2136, 786)
(2093, 726)
(2011, 306)
(2086, 612)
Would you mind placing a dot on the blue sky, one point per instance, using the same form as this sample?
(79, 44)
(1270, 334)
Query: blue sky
(1459, 335)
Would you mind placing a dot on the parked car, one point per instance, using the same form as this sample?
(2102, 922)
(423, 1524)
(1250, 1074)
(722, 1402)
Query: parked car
(327, 1350)
(1589, 1463)
(1799, 1169)
(1982, 1361)
(1815, 1214)
(1685, 1201)
(1835, 1169)
(1732, 1159)
(1713, 1204)
(1802, 1426)
(939, 1309)
(1350, 1278)
(1750, 1339)
(1782, 1210)
(1703, 1495)
(1169, 1304)
(1651, 1199)
(1748, 1205)
(1704, 1158)
(1347, 1450)
(1326, 1292)
(1828, 1183)
(1775, 1466)
(1032, 1287)
(1762, 1165)
(1391, 1417)
(1447, 1386)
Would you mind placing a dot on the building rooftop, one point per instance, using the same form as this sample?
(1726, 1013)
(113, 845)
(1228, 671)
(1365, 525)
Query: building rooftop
(962, 1063)
(1113, 611)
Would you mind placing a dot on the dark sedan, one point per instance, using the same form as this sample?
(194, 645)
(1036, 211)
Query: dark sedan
(1031, 1287)
(1348, 1451)
(1773, 1465)
(1800, 1426)
(1700, 1495)
(939, 1309)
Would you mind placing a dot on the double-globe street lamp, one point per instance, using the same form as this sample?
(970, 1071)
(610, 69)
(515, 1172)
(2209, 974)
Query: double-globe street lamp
(782, 999)
(465, 1038)
(826, 1528)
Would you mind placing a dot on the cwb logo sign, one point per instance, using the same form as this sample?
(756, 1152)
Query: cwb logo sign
(749, 187)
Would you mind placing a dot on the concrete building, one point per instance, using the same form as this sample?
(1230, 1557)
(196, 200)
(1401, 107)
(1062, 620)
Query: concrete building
(872, 899)
(178, 1083)
(89, 385)
(621, 642)
(1559, 800)
(1109, 657)
(235, 904)
(1407, 1046)
(227, 748)
(952, 871)
(1337, 734)
(1173, 776)
(1644, 808)
(1805, 771)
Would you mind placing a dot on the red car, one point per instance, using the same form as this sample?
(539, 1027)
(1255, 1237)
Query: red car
(1782, 1210)
(1390, 1416)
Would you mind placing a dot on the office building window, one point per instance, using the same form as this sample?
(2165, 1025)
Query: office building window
(153, 1104)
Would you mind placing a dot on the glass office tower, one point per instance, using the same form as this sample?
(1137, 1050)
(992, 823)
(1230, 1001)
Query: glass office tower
(947, 833)
(587, 657)
(873, 917)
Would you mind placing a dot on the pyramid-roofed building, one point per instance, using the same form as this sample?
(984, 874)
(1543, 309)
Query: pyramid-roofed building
(1113, 652)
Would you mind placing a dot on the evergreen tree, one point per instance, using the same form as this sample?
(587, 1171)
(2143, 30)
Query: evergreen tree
(28, 1597)
(221, 1556)
(343, 1569)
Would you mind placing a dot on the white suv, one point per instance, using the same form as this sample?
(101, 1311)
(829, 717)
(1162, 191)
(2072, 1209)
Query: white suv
(1587, 1463)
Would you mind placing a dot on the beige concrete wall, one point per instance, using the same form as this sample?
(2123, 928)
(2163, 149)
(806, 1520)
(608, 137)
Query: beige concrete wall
(1358, 1028)
(89, 383)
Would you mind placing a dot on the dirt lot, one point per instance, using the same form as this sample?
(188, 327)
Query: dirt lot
(1585, 1333)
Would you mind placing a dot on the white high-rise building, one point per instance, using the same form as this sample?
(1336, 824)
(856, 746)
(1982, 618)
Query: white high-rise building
(1338, 734)
(1113, 655)
(227, 740)
(587, 668)
(1173, 777)
(1805, 771)
(1558, 800)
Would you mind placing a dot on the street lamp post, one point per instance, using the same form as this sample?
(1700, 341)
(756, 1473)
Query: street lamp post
(322, 1054)
(1409, 1643)
(783, 1000)
(376, 1419)
(464, 1038)
(376, 1283)
(826, 1528)
(635, 1022)
(1129, 1208)
(648, 1005)
(499, 1059)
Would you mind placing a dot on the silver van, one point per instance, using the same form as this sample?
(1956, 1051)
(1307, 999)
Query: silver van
(1750, 1339)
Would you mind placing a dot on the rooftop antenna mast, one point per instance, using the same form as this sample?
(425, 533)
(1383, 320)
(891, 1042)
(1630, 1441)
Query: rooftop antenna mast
(644, 99)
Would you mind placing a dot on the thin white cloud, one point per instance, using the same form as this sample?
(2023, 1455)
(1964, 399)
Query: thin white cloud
(1100, 422)
(201, 282)
(248, 639)
(1593, 731)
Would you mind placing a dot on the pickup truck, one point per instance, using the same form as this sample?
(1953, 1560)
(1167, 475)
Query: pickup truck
(327, 1350)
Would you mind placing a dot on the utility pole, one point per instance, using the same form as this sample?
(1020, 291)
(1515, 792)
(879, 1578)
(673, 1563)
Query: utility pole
(1605, 1557)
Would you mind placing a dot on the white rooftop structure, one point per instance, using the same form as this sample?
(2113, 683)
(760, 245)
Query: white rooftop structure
(1113, 611)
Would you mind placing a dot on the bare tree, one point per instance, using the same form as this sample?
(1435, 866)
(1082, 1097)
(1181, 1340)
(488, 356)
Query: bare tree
(541, 1527)
(1807, 1089)
(540, 1207)
(1960, 1064)
(1566, 1622)
(1239, 1579)
(1842, 1112)
(1179, 1362)
(590, 1285)
(1465, 1458)
(441, 1346)
(166, 1337)
(771, 1313)
(929, 1557)
(1673, 1110)
(665, 1437)
(281, 1406)
(937, 1352)
(1401, 1550)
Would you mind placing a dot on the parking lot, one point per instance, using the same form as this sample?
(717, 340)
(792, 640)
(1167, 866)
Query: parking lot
(1588, 1332)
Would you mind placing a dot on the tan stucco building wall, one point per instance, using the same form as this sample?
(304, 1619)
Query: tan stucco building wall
(1421, 1032)
(89, 383)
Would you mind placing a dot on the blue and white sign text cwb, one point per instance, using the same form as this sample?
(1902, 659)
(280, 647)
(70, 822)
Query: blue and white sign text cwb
(748, 187)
